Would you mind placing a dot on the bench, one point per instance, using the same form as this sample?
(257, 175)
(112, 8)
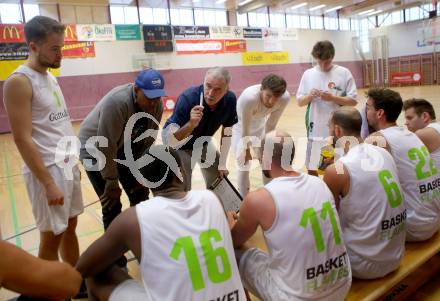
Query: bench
(418, 265)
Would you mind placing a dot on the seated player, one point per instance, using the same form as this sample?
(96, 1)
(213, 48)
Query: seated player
(181, 239)
(417, 173)
(23, 273)
(307, 258)
(368, 197)
(420, 119)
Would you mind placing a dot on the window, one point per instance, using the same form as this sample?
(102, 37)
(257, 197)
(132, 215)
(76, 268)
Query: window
(293, 21)
(354, 24)
(210, 17)
(330, 23)
(412, 14)
(304, 21)
(316, 22)
(344, 24)
(10, 13)
(397, 17)
(258, 19)
(180, 16)
(153, 15)
(277, 20)
(221, 17)
(242, 20)
(124, 14)
(31, 10)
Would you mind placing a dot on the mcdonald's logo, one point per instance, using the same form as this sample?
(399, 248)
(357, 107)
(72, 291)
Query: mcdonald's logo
(8, 33)
(70, 33)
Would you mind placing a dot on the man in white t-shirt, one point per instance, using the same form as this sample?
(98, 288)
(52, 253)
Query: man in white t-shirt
(259, 109)
(323, 89)
(181, 240)
(420, 119)
(307, 258)
(419, 177)
(39, 120)
(368, 196)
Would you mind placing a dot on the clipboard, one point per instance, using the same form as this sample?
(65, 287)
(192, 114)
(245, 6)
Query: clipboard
(227, 193)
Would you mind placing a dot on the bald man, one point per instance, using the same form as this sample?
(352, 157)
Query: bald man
(368, 197)
(420, 119)
(297, 214)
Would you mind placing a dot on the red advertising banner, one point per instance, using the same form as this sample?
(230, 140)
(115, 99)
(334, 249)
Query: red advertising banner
(199, 46)
(12, 33)
(70, 34)
(235, 45)
(79, 50)
(406, 78)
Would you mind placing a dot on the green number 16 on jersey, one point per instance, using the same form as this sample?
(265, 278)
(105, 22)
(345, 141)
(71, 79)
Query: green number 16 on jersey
(186, 243)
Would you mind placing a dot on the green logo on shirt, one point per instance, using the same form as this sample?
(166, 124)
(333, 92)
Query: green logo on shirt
(57, 99)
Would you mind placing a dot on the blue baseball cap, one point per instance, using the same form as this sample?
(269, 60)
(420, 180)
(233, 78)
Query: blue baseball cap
(151, 82)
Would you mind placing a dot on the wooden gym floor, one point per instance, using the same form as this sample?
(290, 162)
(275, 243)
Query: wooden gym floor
(16, 214)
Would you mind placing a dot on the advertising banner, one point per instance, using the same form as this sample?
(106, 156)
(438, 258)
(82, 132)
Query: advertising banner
(13, 51)
(127, 32)
(79, 50)
(191, 32)
(12, 33)
(226, 32)
(265, 58)
(251, 33)
(70, 33)
(235, 45)
(406, 78)
(199, 46)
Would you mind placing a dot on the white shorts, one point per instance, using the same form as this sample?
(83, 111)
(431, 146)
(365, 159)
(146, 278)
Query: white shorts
(256, 276)
(313, 153)
(129, 290)
(366, 269)
(55, 218)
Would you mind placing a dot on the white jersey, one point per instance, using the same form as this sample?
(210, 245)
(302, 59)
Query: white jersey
(419, 179)
(50, 119)
(187, 251)
(254, 118)
(337, 81)
(435, 155)
(373, 212)
(308, 255)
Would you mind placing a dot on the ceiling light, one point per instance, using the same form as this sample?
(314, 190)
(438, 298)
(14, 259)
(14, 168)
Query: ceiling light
(220, 1)
(374, 12)
(244, 2)
(366, 12)
(299, 5)
(333, 9)
(317, 7)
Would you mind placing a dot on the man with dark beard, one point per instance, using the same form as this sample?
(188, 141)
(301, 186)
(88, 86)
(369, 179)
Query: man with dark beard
(39, 120)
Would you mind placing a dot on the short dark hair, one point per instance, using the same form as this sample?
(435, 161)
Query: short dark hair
(39, 27)
(156, 170)
(276, 84)
(323, 50)
(420, 105)
(388, 100)
(349, 119)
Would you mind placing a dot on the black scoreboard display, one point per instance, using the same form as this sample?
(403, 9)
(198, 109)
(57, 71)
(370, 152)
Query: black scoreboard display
(157, 32)
(158, 46)
(157, 38)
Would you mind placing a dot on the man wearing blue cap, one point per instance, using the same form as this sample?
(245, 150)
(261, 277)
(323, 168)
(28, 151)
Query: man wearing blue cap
(102, 140)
